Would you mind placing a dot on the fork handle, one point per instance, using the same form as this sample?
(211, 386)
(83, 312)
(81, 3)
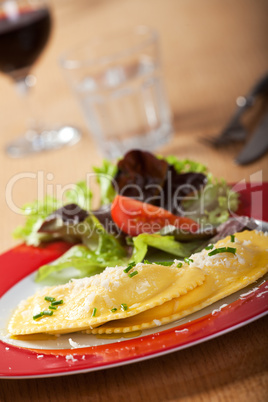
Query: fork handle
(260, 88)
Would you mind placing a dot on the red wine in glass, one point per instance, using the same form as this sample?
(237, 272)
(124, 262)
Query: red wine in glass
(25, 27)
(22, 38)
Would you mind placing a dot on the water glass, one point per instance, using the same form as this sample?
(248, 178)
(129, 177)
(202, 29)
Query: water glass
(119, 84)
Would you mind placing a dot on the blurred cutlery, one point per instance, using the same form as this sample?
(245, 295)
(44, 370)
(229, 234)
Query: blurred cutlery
(257, 146)
(234, 130)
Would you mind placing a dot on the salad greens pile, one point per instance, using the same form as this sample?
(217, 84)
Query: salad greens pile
(97, 245)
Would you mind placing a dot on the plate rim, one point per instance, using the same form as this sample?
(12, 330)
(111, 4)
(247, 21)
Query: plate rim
(138, 359)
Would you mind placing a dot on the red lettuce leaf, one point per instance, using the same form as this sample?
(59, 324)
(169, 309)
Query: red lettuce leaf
(68, 214)
(143, 176)
(136, 171)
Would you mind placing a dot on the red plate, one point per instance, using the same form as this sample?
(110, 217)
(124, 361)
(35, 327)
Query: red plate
(18, 362)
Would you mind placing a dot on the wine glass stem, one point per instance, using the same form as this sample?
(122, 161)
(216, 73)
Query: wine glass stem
(24, 87)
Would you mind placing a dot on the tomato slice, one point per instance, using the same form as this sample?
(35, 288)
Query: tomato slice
(135, 217)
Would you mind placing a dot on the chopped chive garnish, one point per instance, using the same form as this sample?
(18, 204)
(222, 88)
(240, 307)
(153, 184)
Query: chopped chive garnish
(50, 299)
(231, 250)
(179, 265)
(133, 274)
(113, 310)
(94, 312)
(129, 267)
(222, 250)
(56, 302)
(39, 315)
(188, 260)
(232, 238)
(52, 307)
(48, 312)
(210, 247)
(126, 270)
(164, 263)
(123, 307)
(213, 252)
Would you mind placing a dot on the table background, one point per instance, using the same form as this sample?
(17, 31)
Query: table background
(212, 51)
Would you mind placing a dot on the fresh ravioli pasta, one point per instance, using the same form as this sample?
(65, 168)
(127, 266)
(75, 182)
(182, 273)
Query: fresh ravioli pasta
(146, 295)
(114, 294)
(225, 272)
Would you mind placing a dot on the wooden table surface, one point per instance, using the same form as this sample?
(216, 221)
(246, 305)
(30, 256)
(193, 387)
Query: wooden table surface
(212, 51)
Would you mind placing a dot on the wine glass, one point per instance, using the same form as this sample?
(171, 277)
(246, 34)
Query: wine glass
(25, 27)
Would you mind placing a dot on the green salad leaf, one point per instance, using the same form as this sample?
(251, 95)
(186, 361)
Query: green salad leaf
(168, 244)
(213, 204)
(97, 239)
(35, 213)
(98, 251)
(77, 262)
(105, 175)
(185, 165)
(80, 195)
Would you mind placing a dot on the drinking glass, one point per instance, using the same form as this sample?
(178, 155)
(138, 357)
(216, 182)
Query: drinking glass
(118, 81)
(25, 27)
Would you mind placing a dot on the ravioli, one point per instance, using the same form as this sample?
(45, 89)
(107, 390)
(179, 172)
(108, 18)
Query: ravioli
(226, 273)
(112, 295)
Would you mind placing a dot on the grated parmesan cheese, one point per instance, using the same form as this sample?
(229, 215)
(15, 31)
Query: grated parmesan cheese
(70, 358)
(73, 343)
(180, 331)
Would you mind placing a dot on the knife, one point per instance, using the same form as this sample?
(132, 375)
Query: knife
(257, 146)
